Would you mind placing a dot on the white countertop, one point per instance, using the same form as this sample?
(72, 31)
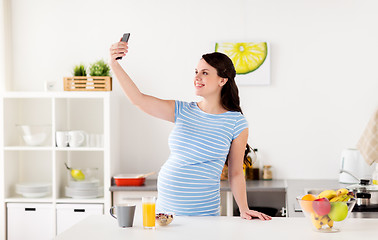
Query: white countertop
(197, 228)
(251, 185)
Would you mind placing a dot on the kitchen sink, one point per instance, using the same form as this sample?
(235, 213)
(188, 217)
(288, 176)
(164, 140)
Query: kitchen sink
(312, 191)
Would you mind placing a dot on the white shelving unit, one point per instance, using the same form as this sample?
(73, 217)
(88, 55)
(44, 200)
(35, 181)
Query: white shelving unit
(63, 111)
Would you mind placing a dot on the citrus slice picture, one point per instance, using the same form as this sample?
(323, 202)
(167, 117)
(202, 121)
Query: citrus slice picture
(246, 56)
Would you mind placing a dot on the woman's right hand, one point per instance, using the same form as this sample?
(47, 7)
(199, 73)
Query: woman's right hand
(118, 49)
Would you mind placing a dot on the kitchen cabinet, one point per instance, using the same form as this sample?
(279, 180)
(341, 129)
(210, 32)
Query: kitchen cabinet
(44, 163)
(68, 215)
(30, 221)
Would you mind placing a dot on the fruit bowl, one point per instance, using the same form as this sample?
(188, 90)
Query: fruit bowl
(163, 219)
(327, 213)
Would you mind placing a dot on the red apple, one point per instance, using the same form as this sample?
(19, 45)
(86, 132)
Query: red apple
(321, 206)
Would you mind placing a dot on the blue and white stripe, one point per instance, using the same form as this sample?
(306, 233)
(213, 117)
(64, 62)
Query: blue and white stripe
(188, 182)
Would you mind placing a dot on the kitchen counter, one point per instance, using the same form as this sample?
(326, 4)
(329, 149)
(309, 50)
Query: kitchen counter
(189, 228)
(292, 187)
(149, 185)
(273, 185)
(261, 193)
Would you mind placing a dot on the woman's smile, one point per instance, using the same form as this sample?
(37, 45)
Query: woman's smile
(199, 85)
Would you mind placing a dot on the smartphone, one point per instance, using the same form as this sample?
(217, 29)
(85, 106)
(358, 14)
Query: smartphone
(125, 38)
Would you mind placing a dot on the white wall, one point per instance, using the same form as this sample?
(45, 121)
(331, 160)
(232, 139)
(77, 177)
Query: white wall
(2, 46)
(323, 54)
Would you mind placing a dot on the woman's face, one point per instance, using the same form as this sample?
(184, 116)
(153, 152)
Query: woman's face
(206, 81)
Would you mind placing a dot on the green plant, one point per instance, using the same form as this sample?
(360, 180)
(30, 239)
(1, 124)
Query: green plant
(79, 70)
(99, 68)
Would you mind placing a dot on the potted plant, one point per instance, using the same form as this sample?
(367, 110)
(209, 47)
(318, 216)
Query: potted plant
(98, 80)
(99, 68)
(80, 70)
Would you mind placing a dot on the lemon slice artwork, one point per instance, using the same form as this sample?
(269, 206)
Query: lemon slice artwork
(246, 56)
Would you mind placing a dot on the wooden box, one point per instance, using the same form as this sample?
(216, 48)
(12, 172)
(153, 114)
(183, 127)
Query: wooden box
(87, 83)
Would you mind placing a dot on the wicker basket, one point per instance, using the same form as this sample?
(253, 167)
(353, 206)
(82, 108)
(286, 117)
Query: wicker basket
(87, 83)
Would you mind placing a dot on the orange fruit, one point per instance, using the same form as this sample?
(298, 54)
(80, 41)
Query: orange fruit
(306, 202)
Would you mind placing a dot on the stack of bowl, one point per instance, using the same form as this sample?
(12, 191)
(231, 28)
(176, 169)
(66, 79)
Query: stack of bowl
(33, 190)
(86, 187)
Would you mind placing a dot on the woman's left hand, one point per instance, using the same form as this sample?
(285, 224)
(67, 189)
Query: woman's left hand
(249, 214)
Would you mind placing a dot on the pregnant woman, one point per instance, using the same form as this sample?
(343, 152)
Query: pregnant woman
(206, 135)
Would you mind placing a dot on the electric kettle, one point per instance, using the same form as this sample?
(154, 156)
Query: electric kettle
(353, 167)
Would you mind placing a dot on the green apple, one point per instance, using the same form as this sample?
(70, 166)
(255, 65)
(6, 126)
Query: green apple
(339, 211)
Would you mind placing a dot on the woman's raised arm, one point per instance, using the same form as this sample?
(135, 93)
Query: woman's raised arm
(163, 109)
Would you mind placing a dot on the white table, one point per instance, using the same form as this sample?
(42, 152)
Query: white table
(230, 228)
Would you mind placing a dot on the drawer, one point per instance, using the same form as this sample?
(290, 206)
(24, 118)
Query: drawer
(68, 215)
(30, 221)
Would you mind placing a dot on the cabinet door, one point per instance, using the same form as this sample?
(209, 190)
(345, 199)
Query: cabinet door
(30, 221)
(68, 215)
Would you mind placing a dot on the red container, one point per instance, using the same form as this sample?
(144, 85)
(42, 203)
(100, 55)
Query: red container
(129, 180)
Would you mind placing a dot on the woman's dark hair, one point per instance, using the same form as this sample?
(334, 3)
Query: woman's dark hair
(229, 93)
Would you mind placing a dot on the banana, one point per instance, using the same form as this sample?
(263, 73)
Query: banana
(327, 220)
(320, 221)
(316, 221)
(327, 194)
(342, 198)
(342, 191)
(330, 223)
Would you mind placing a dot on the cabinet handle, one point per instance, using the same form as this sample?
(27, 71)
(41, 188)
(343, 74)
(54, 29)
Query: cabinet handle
(30, 209)
(283, 212)
(132, 198)
(79, 210)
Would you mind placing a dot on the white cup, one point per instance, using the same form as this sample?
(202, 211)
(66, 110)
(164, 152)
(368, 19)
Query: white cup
(95, 140)
(76, 138)
(61, 138)
(100, 140)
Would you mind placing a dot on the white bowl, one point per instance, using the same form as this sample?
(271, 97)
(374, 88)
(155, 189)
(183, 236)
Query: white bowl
(34, 135)
(35, 195)
(33, 190)
(84, 193)
(86, 184)
(325, 222)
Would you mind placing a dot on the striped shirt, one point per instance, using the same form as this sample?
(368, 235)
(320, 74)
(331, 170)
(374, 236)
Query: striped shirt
(189, 181)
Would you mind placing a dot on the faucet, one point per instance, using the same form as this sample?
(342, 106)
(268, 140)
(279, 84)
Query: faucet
(351, 174)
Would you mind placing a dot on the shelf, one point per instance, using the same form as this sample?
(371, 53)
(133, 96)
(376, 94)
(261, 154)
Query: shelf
(27, 148)
(61, 111)
(85, 149)
(79, 200)
(46, 148)
(28, 200)
(62, 94)
(50, 200)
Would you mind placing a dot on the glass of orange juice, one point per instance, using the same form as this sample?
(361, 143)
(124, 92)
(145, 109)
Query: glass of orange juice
(148, 205)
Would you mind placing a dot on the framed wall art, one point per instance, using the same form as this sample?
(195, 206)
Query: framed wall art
(251, 61)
